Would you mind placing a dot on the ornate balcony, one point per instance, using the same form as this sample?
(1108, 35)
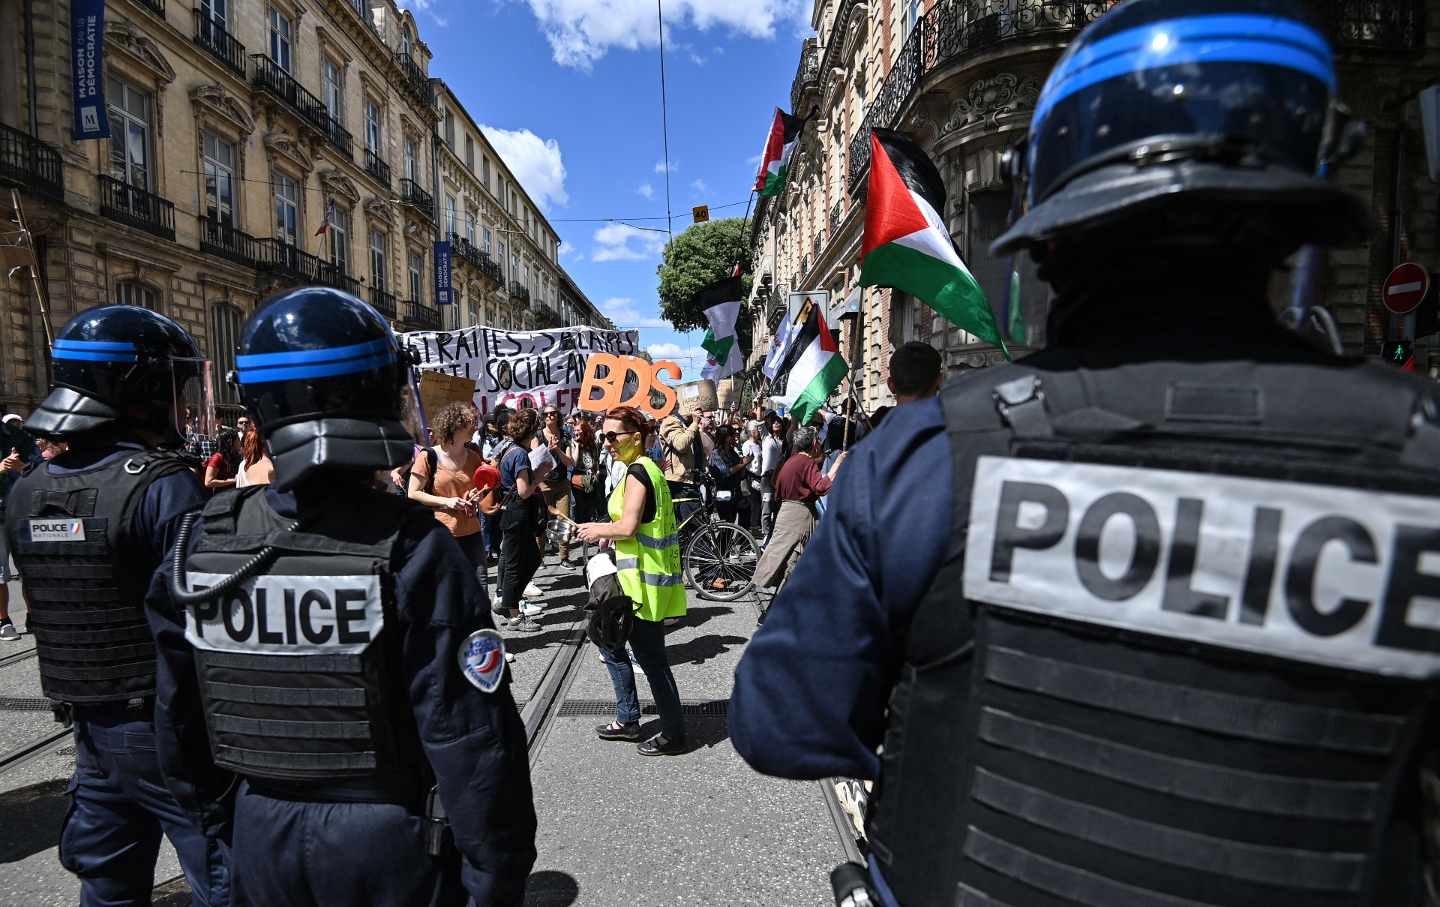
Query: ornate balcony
(136, 208)
(411, 194)
(376, 167)
(383, 302)
(270, 78)
(420, 316)
(30, 164)
(415, 79)
(155, 6)
(220, 238)
(279, 257)
(954, 31)
(519, 292)
(807, 76)
(837, 214)
(219, 43)
(476, 259)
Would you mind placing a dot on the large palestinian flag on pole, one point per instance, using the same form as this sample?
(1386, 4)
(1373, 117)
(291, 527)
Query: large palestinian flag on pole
(775, 159)
(817, 367)
(906, 244)
(721, 303)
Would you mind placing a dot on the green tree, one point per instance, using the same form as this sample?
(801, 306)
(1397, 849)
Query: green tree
(702, 255)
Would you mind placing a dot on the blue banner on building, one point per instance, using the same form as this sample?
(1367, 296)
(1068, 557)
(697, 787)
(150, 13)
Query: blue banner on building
(87, 41)
(442, 273)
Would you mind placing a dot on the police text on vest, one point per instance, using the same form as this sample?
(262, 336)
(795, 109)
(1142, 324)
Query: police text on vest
(287, 615)
(61, 530)
(1327, 575)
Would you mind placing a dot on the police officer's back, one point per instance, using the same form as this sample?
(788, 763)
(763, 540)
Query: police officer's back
(346, 660)
(88, 530)
(1164, 645)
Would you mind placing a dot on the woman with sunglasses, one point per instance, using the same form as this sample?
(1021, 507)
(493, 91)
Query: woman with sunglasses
(647, 552)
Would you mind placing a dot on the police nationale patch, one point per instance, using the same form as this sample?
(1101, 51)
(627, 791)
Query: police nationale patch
(63, 530)
(482, 659)
(1314, 573)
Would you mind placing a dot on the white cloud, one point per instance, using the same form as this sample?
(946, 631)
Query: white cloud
(567, 249)
(645, 190)
(687, 355)
(661, 167)
(424, 6)
(622, 311)
(536, 162)
(582, 31)
(698, 186)
(622, 242)
(753, 160)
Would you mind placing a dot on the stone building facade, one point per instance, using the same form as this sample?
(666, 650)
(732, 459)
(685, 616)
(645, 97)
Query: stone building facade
(255, 145)
(961, 77)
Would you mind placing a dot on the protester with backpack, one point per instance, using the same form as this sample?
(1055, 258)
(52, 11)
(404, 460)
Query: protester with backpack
(441, 479)
(520, 519)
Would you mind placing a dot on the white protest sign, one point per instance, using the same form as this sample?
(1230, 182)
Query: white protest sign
(518, 368)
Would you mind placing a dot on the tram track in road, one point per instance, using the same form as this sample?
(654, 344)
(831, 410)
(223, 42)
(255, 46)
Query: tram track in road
(32, 749)
(543, 707)
(17, 657)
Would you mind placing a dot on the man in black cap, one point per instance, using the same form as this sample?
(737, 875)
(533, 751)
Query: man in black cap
(1137, 619)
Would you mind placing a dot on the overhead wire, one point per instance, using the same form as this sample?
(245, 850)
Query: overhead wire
(664, 121)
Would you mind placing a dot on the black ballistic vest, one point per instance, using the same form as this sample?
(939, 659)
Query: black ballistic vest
(298, 663)
(75, 547)
(1177, 654)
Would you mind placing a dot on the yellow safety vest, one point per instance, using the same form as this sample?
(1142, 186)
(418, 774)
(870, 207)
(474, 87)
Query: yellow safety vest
(649, 563)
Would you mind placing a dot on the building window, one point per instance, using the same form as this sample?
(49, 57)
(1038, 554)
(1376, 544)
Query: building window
(450, 129)
(280, 39)
(129, 134)
(485, 240)
(417, 268)
(332, 81)
(287, 209)
(218, 165)
(912, 15)
(129, 292)
(470, 227)
(225, 322)
(377, 260)
(372, 126)
(503, 261)
(411, 158)
(216, 11)
(470, 153)
(404, 42)
(340, 238)
(450, 219)
(485, 172)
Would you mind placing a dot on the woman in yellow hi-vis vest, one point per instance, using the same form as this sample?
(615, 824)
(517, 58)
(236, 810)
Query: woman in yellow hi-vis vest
(647, 549)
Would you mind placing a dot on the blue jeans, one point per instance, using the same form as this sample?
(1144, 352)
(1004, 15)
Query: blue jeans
(647, 641)
(119, 808)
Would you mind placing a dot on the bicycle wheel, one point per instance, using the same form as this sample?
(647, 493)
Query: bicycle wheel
(720, 561)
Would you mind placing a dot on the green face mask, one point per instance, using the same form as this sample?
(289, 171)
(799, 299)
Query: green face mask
(629, 449)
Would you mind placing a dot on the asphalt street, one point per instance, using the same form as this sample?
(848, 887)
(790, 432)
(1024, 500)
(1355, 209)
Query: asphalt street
(615, 827)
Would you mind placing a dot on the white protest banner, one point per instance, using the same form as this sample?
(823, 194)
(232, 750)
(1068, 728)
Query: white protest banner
(518, 368)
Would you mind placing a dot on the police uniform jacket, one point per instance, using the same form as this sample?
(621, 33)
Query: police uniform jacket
(474, 741)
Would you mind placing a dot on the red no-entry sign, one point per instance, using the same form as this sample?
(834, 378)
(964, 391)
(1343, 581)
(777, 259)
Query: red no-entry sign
(1405, 288)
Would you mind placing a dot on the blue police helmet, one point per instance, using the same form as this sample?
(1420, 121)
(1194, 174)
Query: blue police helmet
(121, 371)
(1188, 104)
(325, 379)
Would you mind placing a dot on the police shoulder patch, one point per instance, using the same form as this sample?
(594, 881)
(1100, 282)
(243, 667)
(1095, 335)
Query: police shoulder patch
(482, 659)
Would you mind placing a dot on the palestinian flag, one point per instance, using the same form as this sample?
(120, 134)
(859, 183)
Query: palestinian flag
(775, 161)
(906, 244)
(817, 369)
(721, 303)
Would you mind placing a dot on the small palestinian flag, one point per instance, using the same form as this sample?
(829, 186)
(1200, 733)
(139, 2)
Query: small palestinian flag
(775, 161)
(721, 303)
(817, 370)
(906, 244)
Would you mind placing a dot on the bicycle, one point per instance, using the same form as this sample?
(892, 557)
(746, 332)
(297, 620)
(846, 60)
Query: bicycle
(717, 558)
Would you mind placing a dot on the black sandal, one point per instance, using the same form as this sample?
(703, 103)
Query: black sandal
(615, 731)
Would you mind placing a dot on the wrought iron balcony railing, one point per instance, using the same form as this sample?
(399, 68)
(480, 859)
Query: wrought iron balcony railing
(155, 6)
(477, 259)
(384, 302)
(951, 32)
(375, 166)
(519, 292)
(30, 164)
(412, 194)
(415, 79)
(280, 257)
(269, 77)
(221, 238)
(807, 75)
(137, 208)
(219, 43)
(420, 315)
(837, 214)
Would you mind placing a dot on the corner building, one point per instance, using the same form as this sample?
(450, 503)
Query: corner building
(962, 77)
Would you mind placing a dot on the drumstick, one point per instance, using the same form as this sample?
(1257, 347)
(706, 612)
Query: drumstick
(554, 512)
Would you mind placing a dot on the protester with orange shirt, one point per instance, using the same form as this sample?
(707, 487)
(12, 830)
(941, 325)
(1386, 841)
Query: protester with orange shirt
(441, 479)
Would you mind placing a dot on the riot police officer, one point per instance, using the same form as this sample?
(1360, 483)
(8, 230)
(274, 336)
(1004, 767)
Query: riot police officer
(1163, 642)
(348, 667)
(88, 530)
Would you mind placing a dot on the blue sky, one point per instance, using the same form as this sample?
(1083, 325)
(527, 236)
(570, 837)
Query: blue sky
(569, 92)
